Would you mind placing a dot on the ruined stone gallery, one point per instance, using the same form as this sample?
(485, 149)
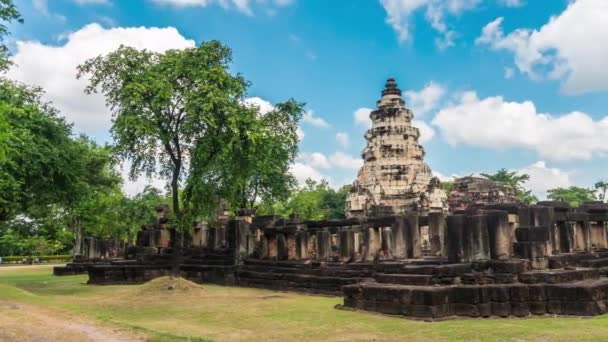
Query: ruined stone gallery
(407, 248)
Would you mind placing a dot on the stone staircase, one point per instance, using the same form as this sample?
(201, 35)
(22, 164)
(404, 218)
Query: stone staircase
(484, 289)
(302, 276)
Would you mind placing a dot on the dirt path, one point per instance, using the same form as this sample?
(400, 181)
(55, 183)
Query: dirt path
(21, 322)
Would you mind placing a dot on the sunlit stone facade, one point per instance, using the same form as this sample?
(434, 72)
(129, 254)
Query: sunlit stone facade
(394, 178)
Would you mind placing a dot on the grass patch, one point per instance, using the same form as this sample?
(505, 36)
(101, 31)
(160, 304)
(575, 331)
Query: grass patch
(242, 314)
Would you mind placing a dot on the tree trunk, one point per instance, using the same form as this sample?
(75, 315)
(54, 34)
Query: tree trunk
(77, 230)
(178, 215)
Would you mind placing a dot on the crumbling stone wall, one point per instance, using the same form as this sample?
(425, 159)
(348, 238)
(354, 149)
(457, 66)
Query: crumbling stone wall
(476, 192)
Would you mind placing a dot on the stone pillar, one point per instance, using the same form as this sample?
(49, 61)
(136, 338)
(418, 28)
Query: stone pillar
(347, 244)
(292, 253)
(323, 244)
(565, 237)
(387, 241)
(412, 246)
(302, 244)
(437, 232)
(211, 237)
(264, 249)
(545, 217)
(282, 252)
(272, 247)
(499, 234)
(454, 238)
(372, 243)
(598, 235)
(476, 244)
(399, 238)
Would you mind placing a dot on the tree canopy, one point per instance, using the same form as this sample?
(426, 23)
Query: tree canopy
(181, 114)
(573, 195)
(312, 201)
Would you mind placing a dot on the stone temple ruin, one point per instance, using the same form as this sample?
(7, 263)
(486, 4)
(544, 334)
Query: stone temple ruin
(394, 178)
(495, 259)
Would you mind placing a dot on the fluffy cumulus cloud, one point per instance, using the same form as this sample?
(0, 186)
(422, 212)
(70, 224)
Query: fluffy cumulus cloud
(361, 117)
(319, 166)
(543, 178)
(302, 172)
(568, 47)
(343, 139)
(338, 160)
(243, 6)
(262, 105)
(54, 67)
(311, 119)
(426, 99)
(495, 123)
(400, 12)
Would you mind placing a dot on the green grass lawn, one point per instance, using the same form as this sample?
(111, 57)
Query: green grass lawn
(219, 313)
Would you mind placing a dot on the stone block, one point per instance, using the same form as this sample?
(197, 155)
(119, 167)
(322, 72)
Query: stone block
(529, 250)
(525, 234)
(538, 308)
(501, 309)
(430, 296)
(465, 294)
(520, 309)
(466, 310)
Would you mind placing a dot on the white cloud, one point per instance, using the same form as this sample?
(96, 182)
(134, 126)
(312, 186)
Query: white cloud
(310, 118)
(262, 105)
(54, 67)
(343, 139)
(338, 160)
(444, 178)
(315, 160)
(512, 3)
(426, 99)
(495, 123)
(400, 12)
(345, 161)
(362, 119)
(303, 171)
(243, 6)
(543, 178)
(300, 133)
(426, 132)
(566, 48)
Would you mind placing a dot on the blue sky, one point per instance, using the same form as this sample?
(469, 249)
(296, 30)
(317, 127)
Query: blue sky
(493, 83)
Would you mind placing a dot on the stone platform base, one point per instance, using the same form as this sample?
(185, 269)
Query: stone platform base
(584, 298)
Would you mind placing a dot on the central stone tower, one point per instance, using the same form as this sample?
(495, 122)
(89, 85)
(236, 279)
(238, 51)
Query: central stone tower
(394, 178)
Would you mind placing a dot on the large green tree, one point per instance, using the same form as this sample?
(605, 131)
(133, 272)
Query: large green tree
(41, 160)
(265, 149)
(515, 181)
(171, 110)
(573, 195)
